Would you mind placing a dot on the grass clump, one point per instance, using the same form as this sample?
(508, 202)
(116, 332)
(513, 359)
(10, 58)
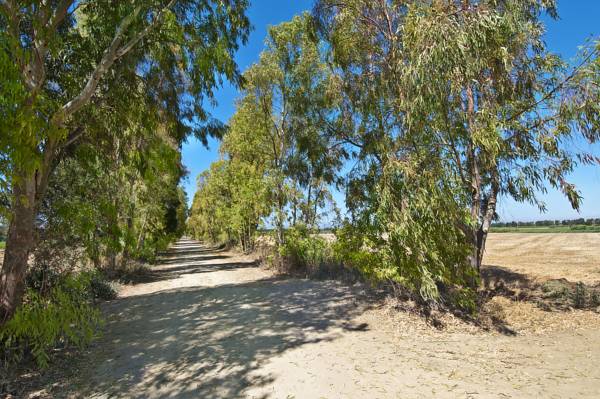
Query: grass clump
(303, 250)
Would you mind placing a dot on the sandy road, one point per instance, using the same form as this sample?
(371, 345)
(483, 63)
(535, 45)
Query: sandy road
(211, 324)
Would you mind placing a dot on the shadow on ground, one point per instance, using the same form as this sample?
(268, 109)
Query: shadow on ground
(210, 342)
(174, 266)
(498, 278)
(190, 259)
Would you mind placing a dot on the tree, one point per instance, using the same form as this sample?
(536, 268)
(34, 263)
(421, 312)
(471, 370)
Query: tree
(58, 57)
(287, 103)
(279, 154)
(466, 105)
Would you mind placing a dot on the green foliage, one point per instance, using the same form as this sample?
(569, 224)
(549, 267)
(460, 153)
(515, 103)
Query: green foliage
(463, 298)
(279, 156)
(448, 106)
(96, 100)
(230, 201)
(409, 240)
(305, 250)
(413, 214)
(53, 61)
(60, 317)
(117, 193)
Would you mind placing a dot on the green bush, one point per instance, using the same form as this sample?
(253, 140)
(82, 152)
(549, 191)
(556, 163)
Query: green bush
(308, 253)
(62, 316)
(378, 261)
(304, 250)
(463, 298)
(100, 288)
(42, 277)
(404, 236)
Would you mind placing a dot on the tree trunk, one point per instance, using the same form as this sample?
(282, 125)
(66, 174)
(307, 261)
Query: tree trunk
(308, 206)
(488, 216)
(19, 243)
(141, 236)
(280, 215)
(316, 208)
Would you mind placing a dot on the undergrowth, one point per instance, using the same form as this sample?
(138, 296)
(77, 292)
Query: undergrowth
(58, 311)
(307, 254)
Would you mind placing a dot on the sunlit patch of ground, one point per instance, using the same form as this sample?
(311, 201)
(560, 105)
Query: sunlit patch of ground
(212, 324)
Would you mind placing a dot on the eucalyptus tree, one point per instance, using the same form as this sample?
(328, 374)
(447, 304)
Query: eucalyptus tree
(286, 103)
(59, 57)
(113, 205)
(364, 51)
(279, 153)
(495, 107)
(211, 212)
(112, 191)
(473, 106)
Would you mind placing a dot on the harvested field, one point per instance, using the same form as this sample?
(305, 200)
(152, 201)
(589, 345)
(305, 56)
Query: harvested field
(575, 257)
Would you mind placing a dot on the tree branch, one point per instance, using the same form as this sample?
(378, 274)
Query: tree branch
(129, 45)
(556, 88)
(111, 54)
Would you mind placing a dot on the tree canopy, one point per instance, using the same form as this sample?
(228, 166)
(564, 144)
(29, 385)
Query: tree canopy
(441, 107)
(107, 91)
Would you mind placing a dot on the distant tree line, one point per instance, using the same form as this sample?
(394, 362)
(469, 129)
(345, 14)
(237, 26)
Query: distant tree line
(542, 223)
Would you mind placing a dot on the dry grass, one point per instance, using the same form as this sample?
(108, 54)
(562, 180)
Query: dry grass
(527, 318)
(575, 257)
(534, 259)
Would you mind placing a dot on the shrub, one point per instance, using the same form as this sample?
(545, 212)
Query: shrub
(465, 299)
(61, 316)
(556, 289)
(404, 236)
(41, 278)
(100, 288)
(304, 250)
(374, 257)
(310, 254)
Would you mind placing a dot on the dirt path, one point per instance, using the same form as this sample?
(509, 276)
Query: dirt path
(211, 324)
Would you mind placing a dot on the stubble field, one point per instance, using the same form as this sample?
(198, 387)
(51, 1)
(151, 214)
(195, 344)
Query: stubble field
(575, 257)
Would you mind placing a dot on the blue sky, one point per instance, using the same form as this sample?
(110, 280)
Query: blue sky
(578, 22)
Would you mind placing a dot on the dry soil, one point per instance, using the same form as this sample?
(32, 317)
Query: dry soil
(212, 324)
